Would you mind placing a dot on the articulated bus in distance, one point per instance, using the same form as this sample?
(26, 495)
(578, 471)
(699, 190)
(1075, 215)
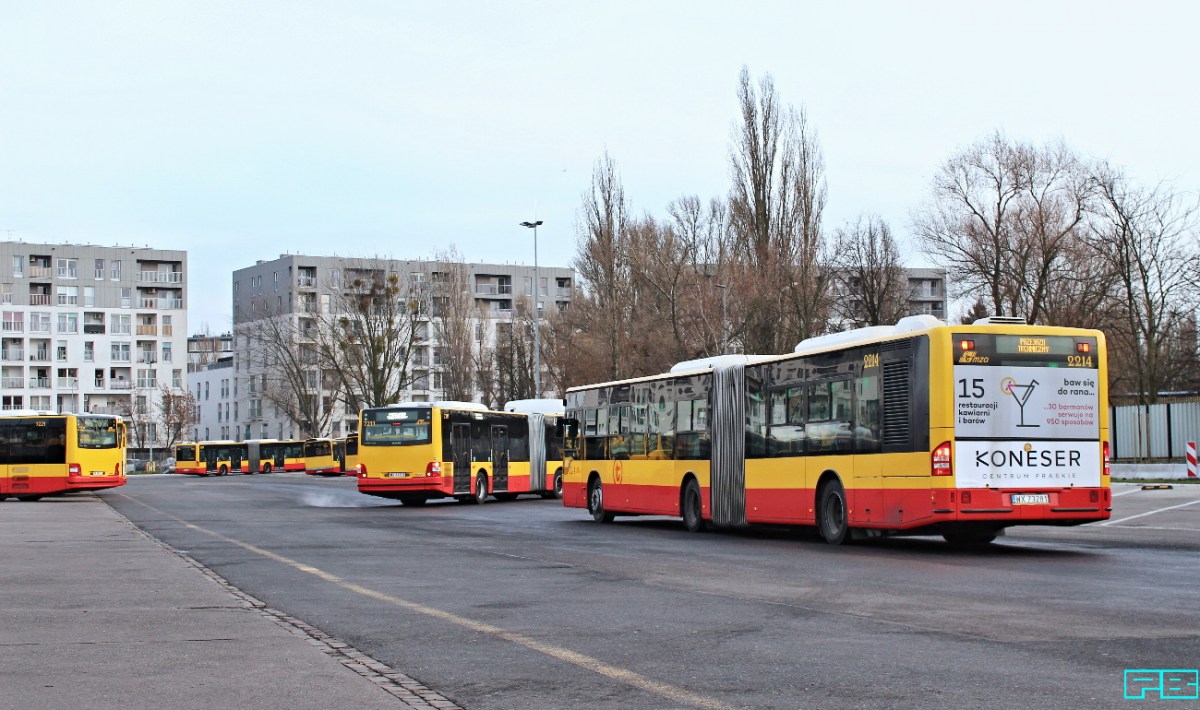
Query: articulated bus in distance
(275, 455)
(545, 415)
(918, 428)
(319, 458)
(346, 452)
(422, 451)
(210, 458)
(43, 454)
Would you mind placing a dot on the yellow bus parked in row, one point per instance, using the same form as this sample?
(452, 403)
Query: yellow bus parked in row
(43, 453)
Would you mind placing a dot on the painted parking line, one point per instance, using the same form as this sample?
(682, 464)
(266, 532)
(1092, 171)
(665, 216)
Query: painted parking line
(1152, 512)
(623, 675)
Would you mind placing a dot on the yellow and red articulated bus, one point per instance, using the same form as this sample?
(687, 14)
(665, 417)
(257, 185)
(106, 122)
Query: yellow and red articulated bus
(320, 458)
(210, 458)
(42, 453)
(914, 429)
(274, 455)
(417, 452)
(545, 416)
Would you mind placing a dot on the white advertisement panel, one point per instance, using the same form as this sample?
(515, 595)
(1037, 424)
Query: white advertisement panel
(1027, 464)
(1026, 402)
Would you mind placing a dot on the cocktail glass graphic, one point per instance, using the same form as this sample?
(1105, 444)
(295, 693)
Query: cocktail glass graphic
(1020, 393)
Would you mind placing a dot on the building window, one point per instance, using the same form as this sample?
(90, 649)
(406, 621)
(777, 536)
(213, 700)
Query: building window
(89, 351)
(39, 322)
(18, 263)
(99, 269)
(121, 323)
(68, 268)
(68, 295)
(120, 352)
(177, 379)
(61, 351)
(89, 296)
(166, 352)
(115, 270)
(68, 322)
(126, 295)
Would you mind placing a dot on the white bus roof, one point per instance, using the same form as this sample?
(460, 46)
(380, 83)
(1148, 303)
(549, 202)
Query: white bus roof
(536, 406)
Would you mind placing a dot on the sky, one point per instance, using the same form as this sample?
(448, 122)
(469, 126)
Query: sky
(239, 131)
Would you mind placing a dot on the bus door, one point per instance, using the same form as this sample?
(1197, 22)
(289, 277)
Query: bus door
(500, 458)
(461, 450)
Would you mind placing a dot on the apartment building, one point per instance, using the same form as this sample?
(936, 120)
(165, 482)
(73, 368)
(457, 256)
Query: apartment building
(926, 290)
(92, 329)
(305, 287)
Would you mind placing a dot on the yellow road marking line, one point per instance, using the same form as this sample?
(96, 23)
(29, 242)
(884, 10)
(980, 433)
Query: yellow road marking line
(595, 665)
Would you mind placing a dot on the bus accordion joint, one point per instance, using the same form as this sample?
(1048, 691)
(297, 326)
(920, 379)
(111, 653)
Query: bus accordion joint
(940, 461)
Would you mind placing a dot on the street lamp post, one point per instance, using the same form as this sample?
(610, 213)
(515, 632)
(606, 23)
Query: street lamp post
(537, 315)
(724, 317)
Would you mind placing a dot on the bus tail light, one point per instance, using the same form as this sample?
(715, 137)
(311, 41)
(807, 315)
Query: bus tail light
(940, 463)
(74, 469)
(434, 468)
(1107, 463)
(362, 470)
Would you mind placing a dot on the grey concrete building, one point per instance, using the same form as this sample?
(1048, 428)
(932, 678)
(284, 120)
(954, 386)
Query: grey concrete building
(92, 329)
(302, 287)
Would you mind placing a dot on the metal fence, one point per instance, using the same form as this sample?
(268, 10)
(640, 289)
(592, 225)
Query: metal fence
(1156, 431)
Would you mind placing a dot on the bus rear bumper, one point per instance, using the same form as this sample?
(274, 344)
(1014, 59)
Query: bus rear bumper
(396, 487)
(46, 485)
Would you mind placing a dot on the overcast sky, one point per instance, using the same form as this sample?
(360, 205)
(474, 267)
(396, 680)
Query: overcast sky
(243, 130)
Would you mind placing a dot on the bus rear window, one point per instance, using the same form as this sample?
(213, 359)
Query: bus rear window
(396, 427)
(97, 433)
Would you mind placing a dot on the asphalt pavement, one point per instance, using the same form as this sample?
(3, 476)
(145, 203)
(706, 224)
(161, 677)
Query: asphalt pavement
(96, 614)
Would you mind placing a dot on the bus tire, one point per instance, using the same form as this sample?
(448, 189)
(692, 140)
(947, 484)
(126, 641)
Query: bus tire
(596, 503)
(832, 518)
(266, 468)
(692, 506)
(29, 499)
(969, 537)
(481, 492)
(223, 470)
(558, 484)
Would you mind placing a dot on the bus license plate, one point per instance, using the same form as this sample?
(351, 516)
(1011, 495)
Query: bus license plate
(1030, 498)
(397, 474)
(98, 473)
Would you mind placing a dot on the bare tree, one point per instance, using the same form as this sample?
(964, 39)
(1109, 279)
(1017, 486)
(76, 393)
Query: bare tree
(282, 351)
(602, 264)
(176, 415)
(871, 280)
(455, 316)
(368, 341)
(1149, 236)
(776, 203)
(1007, 219)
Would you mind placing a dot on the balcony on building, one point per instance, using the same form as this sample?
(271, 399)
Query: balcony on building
(93, 323)
(68, 383)
(12, 355)
(13, 383)
(147, 382)
(307, 277)
(493, 285)
(147, 329)
(40, 267)
(160, 277)
(119, 383)
(39, 383)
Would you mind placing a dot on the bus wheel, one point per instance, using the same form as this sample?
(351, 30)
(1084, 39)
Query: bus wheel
(223, 470)
(831, 519)
(481, 493)
(266, 468)
(29, 498)
(412, 501)
(693, 518)
(558, 484)
(596, 503)
(970, 537)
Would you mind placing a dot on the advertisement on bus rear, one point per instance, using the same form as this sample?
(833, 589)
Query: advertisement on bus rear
(1026, 427)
